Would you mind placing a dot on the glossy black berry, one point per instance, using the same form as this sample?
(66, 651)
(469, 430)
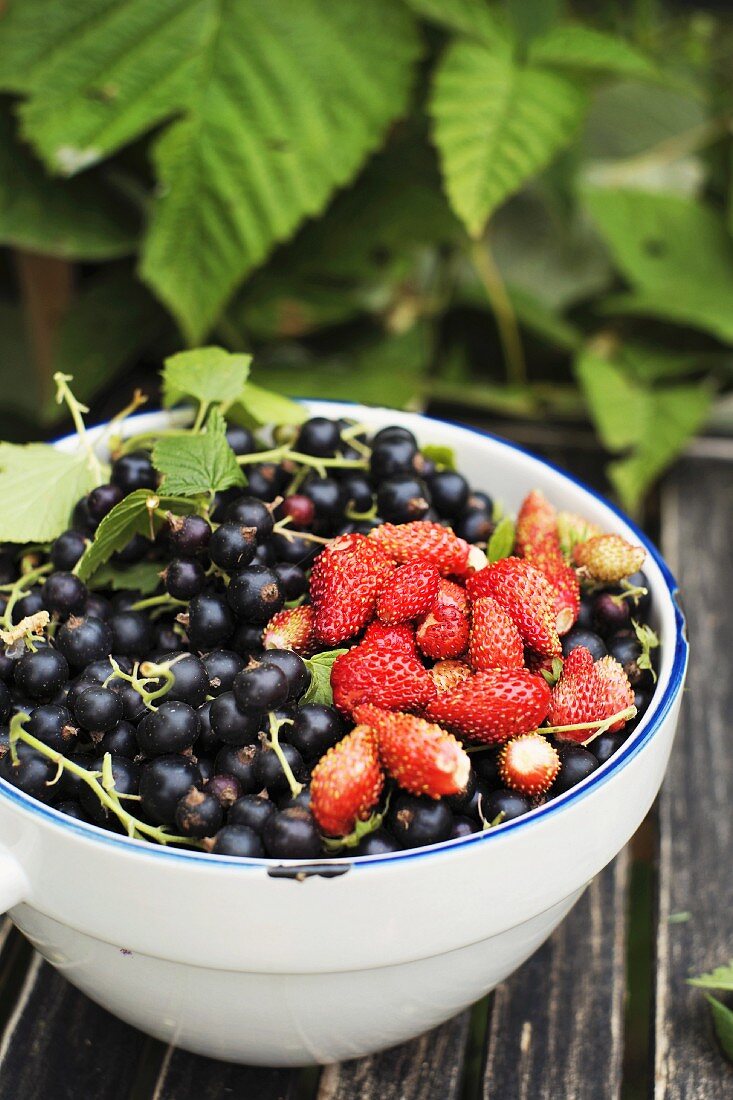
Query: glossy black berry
(391, 457)
(30, 604)
(232, 725)
(71, 808)
(134, 471)
(474, 526)
(232, 546)
(449, 492)
(328, 499)
(459, 802)
(402, 499)
(53, 725)
(240, 439)
(248, 511)
(163, 782)
(226, 788)
(81, 520)
(133, 551)
(190, 681)
(173, 727)
(121, 740)
(166, 638)
(103, 499)
(184, 578)
(260, 688)
(84, 640)
(627, 649)
(293, 666)
(315, 729)
(606, 744)
(255, 594)
(463, 826)
(132, 633)
(642, 698)
(293, 548)
(319, 436)
(357, 490)
(415, 821)
(505, 805)
(610, 613)
(210, 621)
(98, 709)
(265, 553)
(33, 773)
(205, 765)
(222, 667)
(247, 639)
(39, 675)
(266, 480)
(392, 432)
(292, 578)
(292, 834)
(302, 799)
(252, 810)
(576, 763)
(67, 549)
(486, 765)
(133, 707)
(97, 607)
(189, 536)
(126, 775)
(238, 840)
(268, 769)
(199, 814)
(578, 636)
(378, 843)
(239, 761)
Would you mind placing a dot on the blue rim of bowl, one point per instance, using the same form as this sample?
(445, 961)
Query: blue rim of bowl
(595, 779)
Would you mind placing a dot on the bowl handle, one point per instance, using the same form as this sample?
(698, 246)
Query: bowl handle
(13, 883)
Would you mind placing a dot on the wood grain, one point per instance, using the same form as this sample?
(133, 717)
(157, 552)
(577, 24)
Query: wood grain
(556, 1026)
(186, 1076)
(428, 1068)
(696, 805)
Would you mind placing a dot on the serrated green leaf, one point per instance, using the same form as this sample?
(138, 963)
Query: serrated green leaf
(143, 577)
(575, 46)
(76, 220)
(501, 542)
(675, 252)
(721, 978)
(319, 666)
(443, 457)
(197, 463)
(723, 1024)
(258, 407)
(496, 124)
(210, 375)
(473, 18)
(619, 406)
(39, 486)
(138, 513)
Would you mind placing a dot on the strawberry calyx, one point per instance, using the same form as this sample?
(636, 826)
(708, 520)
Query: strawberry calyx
(360, 830)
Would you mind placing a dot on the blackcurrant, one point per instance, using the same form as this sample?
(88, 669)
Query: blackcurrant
(72, 808)
(266, 480)
(392, 456)
(98, 607)
(134, 471)
(391, 432)
(357, 490)
(606, 744)
(328, 498)
(265, 552)
(184, 578)
(315, 729)
(210, 621)
(475, 525)
(222, 667)
(67, 549)
(238, 840)
(252, 810)
(460, 802)
(402, 498)
(627, 649)
(173, 727)
(120, 740)
(190, 681)
(39, 675)
(610, 613)
(163, 782)
(126, 775)
(226, 788)
(247, 639)
(33, 773)
(292, 578)
(30, 604)
(255, 594)
(578, 636)
(233, 546)
(463, 826)
(505, 805)
(319, 436)
(84, 640)
(199, 814)
(299, 509)
(132, 634)
(449, 492)
(292, 834)
(576, 763)
(293, 548)
(378, 843)
(103, 499)
(269, 772)
(189, 535)
(239, 761)
(133, 551)
(261, 688)
(230, 724)
(240, 439)
(98, 709)
(53, 725)
(248, 511)
(416, 821)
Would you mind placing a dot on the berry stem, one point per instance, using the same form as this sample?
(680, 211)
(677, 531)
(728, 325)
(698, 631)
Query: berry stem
(162, 601)
(281, 528)
(104, 791)
(63, 393)
(320, 465)
(622, 716)
(274, 743)
(17, 588)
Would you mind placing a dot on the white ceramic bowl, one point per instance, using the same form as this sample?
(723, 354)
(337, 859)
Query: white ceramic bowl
(240, 960)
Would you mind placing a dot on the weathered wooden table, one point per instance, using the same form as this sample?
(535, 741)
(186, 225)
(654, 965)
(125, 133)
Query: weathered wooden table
(595, 1014)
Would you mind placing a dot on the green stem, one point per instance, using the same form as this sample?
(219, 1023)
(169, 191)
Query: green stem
(157, 601)
(598, 728)
(63, 393)
(274, 743)
(18, 588)
(200, 417)
(506, 320)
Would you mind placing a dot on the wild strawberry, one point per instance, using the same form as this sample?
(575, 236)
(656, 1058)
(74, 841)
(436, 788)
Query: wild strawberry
(446, 674)
(444, 631)
(381, 674)
(400, 637)
(495, 641)
(493, 706)
(609, 558)
(578, 696)
(426, 541)
(422, 757)
(618, 693)
(346, 783)
(408, 592)
(292, 628)
(526, 596)
(535, 521)
(528, 764)
(345, 580)
(572, 529)
(537, 542)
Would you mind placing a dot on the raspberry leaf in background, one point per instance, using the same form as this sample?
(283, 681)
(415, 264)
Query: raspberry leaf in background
(199, 462)
(575, 46)
(39, 487)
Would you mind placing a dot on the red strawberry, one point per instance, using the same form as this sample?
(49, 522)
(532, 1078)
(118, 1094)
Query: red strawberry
(381, 674)
(495, 641)
(428, 542)
(346, 783)
(444, 631)
(422, 757)
(400, 637)
(293, 628)
(535, 521)
(345, 580)
(446, 674)
(526, 596)
(408, 593)
(609, 558)
(528, 764)
(578, 695)
(618, 693)
(538, 542)
(493, 706)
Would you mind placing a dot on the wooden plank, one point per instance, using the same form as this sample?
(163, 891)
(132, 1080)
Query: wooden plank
(556, 1026)
(186, 1076)
(696, 818)
(428, 1068)
(58, 1045)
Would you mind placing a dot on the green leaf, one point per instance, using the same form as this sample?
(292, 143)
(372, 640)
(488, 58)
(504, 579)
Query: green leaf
(674, 251)
(258, 407)
(721, 978)
(210, 375)
(577, 47)
(39, 486)
(143, 577)
(543, 321)
(619, 407)
(79, 220)
(530, 18)
(501, 542)
(319, 666)
(138, 513)
(197, 463)
(470, 17)
(443, 457)
(629, 117)
(723, 1024)
(648, 640)
(496, 124)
